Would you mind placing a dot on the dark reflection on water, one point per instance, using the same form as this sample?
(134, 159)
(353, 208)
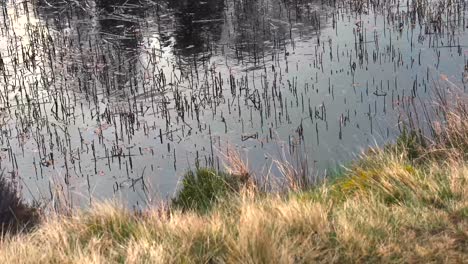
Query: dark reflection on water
(120, 98)
(198, 25)
(120, 24)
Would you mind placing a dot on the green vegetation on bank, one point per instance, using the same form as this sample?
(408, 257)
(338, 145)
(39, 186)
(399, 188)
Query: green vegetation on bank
(406, 202)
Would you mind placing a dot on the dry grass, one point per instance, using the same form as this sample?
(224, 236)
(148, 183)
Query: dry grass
(234, 163)
(294, 168)
(389, 212)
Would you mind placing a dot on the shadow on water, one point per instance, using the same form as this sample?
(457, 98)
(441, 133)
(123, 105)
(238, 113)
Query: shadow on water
(119, 23)
(119, 27)
(199, 26)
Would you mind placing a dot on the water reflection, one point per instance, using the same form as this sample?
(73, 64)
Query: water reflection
(198, 25)
(119, 23)
(119, 27)
(128, 92)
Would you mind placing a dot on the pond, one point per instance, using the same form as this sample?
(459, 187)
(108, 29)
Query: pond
(103, 99)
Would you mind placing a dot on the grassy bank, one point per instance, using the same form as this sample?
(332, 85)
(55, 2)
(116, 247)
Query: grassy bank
(406, 202)
(392, 211)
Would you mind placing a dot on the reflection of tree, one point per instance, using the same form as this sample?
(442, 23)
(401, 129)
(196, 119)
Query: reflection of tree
(59, 14)
(100, 37)
(120, 28)
(260, 26)
(119, 23)
(113, 28)
(199, 24)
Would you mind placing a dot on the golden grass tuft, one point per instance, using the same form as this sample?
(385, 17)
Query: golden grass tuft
(235, 164)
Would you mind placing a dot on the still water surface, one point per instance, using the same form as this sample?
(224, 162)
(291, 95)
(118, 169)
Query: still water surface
(119, 98)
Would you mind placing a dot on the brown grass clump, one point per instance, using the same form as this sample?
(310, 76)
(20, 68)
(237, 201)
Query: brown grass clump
(446, 119)
(235, 164)
(294, 169)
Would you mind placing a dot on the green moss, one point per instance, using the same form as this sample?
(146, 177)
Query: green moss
(411, 142)
(203, 189)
